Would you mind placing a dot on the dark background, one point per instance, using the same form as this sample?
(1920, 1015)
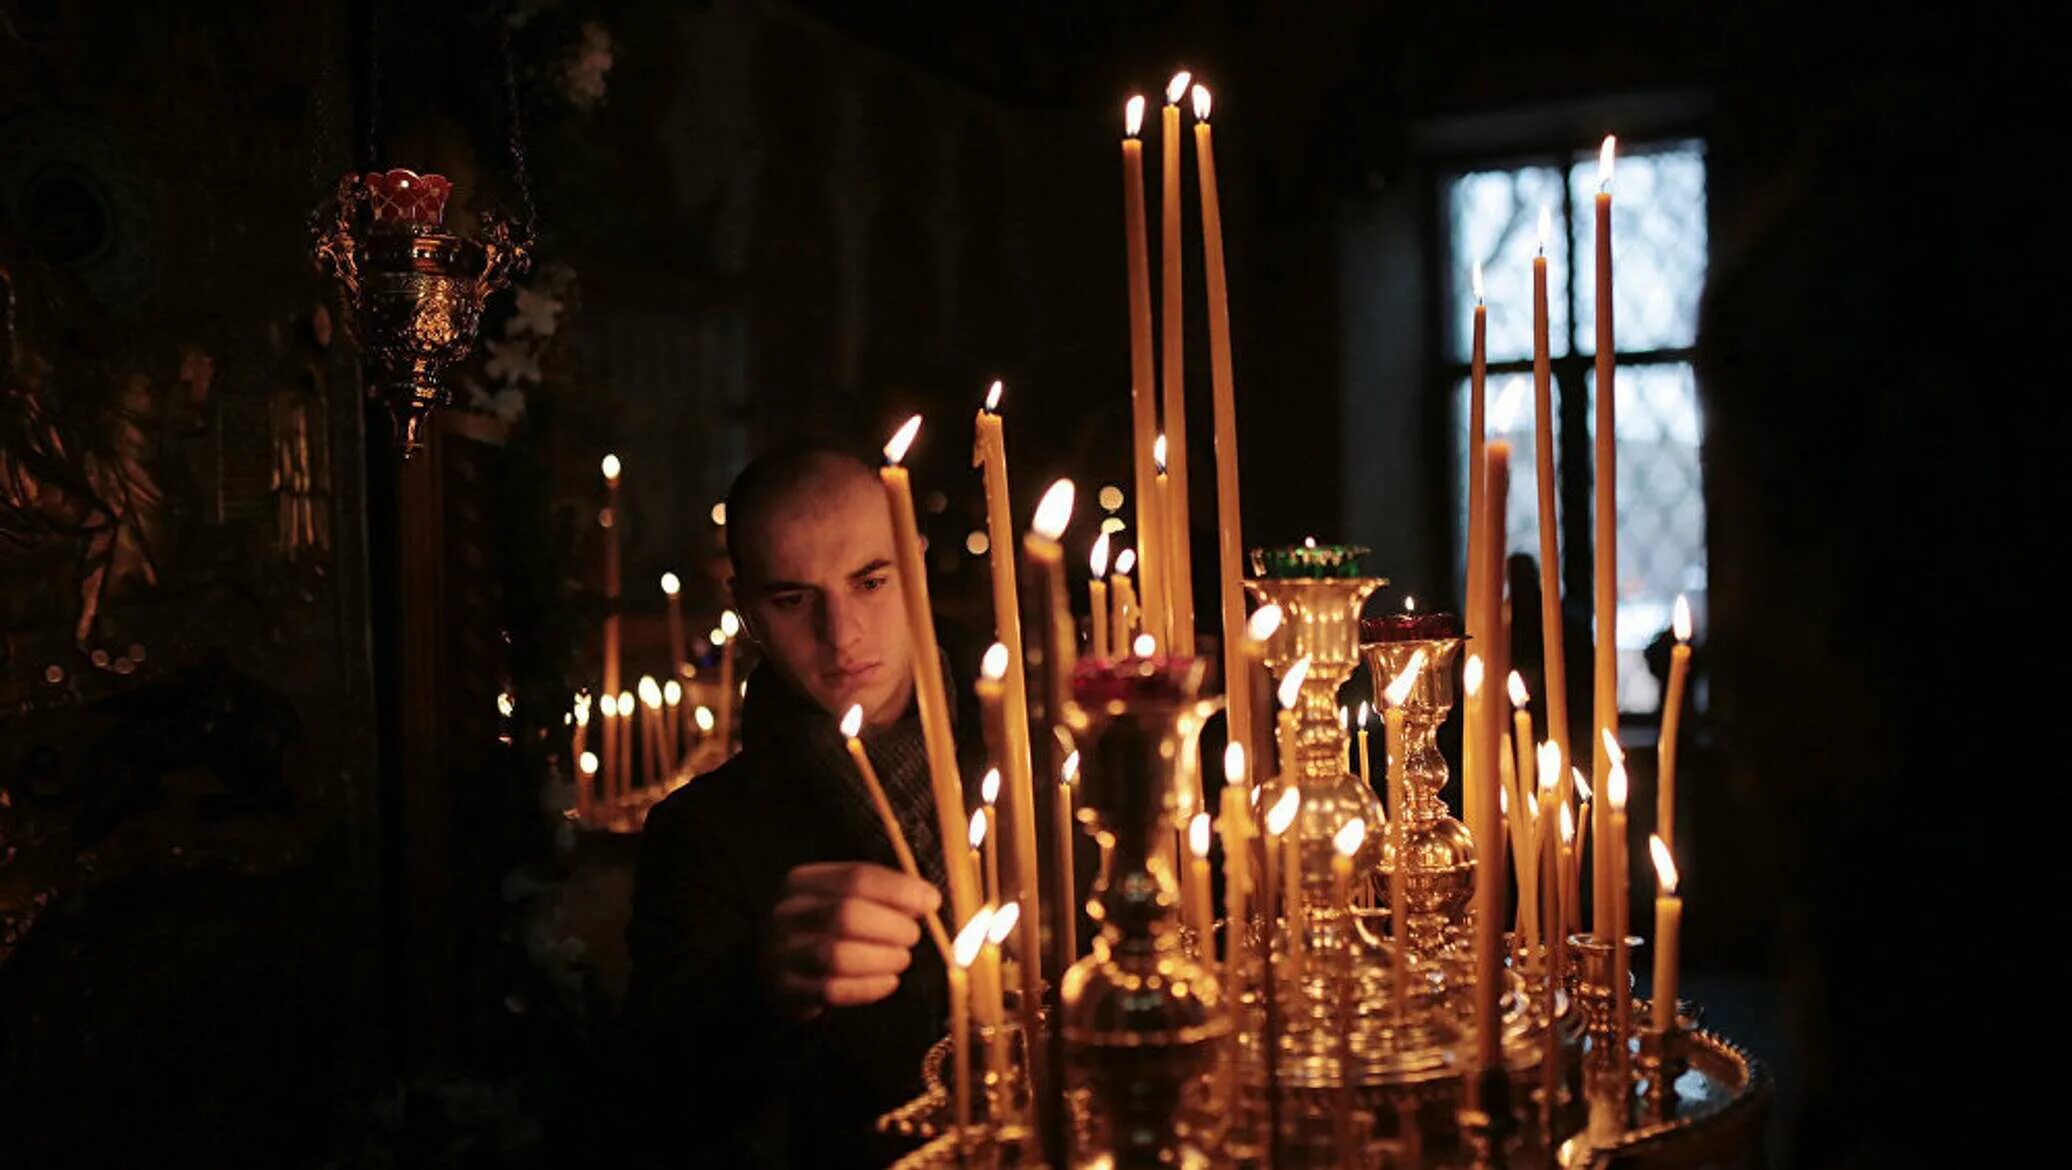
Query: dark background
(344, 926)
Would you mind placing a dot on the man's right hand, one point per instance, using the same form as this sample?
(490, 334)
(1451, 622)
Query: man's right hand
(844, 932)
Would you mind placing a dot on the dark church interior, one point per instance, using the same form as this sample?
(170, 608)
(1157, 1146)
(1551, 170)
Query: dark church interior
(311, 854)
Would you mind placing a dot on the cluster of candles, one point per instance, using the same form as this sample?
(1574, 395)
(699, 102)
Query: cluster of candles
(674, 732)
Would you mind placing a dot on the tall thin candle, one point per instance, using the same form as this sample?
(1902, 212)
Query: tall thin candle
(1230, 565)
(1068, 884)
(1605, 472)
(928, 683)
(1097, 643)
(1475, 619)
(1143, 375)
(672, 592)
(1554, 659)
(1393, 698)
(1179, 574)
(1668, 925)
(852, 728)
(970, 940)
(1012, 750)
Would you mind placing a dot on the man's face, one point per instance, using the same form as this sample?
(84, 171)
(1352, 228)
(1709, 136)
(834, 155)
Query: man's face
(822, 594)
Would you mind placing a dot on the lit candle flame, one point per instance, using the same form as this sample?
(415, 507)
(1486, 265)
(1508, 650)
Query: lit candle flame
(994, 664)
(670, 585)
(609, 704)
(1477, 280)
(716, 636)
(1615, 785)
(588, 763)
(993, 395)
(1550, 765)
(729, 623)
(1568, 826)
(1349, 839)
(703, 718)
(1282, 814)
(582, 709)
(1177, 87)
(672, 692)
(1471, 676)
(1145, 646)
(1158, 452)
(1125, 561)
(1309, 542)
(1234, 763)
(1546, 227)
(1665, 865)
(1069, 770)
(1398, 690)
(1003, 924)
(1054, 511)
(896, 448)
(719, 513)
(1365, 711)
(852, 721)
(1198, 835)
(1345, 718)
(977, 835)
(1291, 682)
(626, 704)
(1681, 621)
(505, 704)
(1097, 561)
(650, 690)
(1575, 777)
(1409, 603)
(1532, 806)
(1519, 696)
(1263, 622)
(989, 786)
(1605, 155)
(609, 465)
(1611, 745)
(1201, 103)
(1133, 116)
(965, 950)
(1503, 801)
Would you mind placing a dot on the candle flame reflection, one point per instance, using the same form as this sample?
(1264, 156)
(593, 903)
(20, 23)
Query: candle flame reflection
(896, 448)
(1665, 865)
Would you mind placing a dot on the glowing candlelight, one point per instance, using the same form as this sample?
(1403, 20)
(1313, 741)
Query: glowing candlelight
(1668, 924)
(1019, 841)
(672, 589)
(1553, 656)
(1202, 917)
(1672, 715)
(651, 726)
(1122, 597)
(672, 721)
(1612, 856)
(1097, 596)
(1360, 747)
(964, 952)
(851, 727)
(1605, 476)
(614, 764)
(1393, 697)
(1068, 884)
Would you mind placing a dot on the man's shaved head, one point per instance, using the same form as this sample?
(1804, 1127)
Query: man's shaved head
(810, 538)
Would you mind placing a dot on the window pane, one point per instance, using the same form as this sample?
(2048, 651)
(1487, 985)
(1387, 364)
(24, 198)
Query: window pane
(1658, 246)
(1661, 513)
(1508, 416)
(1494, 217)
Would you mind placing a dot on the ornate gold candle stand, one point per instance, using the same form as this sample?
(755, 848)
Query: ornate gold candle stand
(415, 289)
(1440, 875)
(1143, 1021)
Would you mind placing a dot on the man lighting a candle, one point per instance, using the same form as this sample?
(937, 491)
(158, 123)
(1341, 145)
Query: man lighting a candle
(781, 988)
